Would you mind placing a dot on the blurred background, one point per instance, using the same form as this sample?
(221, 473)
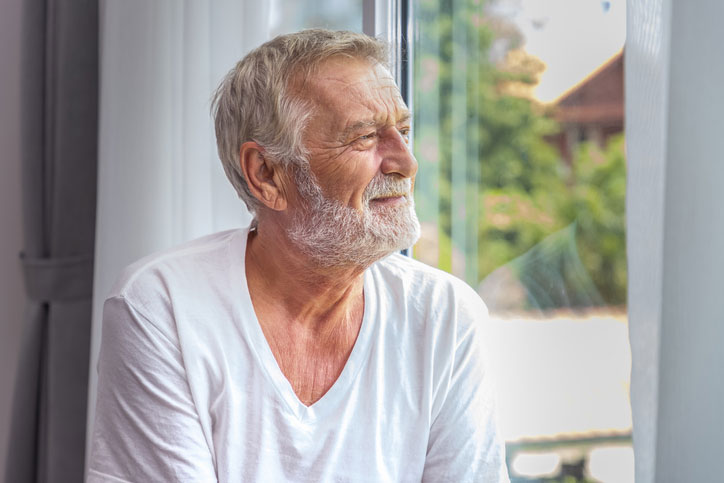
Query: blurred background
(524, 191)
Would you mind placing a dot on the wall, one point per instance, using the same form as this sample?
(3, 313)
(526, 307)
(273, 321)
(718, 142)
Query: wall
(12, 297)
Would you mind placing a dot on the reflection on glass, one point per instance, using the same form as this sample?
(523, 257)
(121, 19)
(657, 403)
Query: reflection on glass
(518, 130)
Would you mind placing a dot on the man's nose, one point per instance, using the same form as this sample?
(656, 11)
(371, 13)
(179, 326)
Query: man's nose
(397, 157)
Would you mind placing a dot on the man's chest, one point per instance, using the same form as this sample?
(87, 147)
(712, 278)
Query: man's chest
(368, 420)
(365, 427)
(310, 362)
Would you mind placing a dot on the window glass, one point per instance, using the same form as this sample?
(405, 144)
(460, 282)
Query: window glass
(518, 131)
(292, 15)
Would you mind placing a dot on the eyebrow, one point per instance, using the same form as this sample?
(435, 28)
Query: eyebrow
(357, 126)
(367, 123)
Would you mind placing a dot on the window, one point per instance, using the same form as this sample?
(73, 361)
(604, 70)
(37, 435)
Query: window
(518, 130)
(292, 15)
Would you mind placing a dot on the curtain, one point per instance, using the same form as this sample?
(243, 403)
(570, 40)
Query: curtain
(676, 234)
(160, 181)
(59, 139)
(646, 71)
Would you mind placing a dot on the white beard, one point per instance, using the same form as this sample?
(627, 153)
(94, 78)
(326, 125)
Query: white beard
(333, 234)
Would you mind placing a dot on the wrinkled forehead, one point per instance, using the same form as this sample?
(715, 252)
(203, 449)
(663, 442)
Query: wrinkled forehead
(343, 84)
(304, 77)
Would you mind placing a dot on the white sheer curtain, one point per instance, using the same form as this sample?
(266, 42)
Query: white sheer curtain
(647, 66)
(675, 238)
(160, 181)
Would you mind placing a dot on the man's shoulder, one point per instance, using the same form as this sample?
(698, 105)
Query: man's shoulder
(416, 278)
(408, 269)
(201, 257)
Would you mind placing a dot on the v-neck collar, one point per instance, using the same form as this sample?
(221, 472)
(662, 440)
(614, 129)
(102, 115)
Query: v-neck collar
(249, 323)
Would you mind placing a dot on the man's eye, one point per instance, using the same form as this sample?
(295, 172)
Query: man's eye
(367, 136)
(405, 133)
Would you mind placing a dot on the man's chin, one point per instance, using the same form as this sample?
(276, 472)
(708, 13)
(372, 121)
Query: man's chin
(400, 233)
(342, 237)
(412, 237)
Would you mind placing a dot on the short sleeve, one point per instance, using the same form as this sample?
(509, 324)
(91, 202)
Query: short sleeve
(465, 444)
(146, 424)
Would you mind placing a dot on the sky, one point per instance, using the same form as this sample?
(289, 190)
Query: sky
(572, 37)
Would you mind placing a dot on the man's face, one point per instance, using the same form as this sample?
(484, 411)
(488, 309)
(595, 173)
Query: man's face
(357, 196)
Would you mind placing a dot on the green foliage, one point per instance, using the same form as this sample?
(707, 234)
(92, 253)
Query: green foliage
(489, 181)
(598, 203)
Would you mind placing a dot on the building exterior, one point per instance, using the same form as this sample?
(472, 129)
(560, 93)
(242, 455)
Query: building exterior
(592, 110)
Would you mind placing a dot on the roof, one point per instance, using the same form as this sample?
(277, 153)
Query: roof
(598, 98)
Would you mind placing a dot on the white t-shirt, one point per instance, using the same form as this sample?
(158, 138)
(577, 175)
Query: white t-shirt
(189, 390)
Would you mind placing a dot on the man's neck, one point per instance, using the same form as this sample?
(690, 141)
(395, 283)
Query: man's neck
(283, 280)
(310, 315)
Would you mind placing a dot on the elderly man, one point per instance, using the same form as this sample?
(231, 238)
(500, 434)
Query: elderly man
(302, 348)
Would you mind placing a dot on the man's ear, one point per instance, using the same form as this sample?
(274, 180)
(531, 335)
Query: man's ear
(265, 178)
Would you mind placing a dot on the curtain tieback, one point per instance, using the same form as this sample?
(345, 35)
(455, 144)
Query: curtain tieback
(58, 279)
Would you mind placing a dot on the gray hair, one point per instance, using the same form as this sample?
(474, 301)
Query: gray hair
(255, 101)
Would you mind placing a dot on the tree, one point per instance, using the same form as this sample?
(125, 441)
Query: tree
(598, 203)
(490, 187)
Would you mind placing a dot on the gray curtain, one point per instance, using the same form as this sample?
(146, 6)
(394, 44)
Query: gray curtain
(59, 124)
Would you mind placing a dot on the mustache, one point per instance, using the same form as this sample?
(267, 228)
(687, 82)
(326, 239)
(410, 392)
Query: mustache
(383, 186)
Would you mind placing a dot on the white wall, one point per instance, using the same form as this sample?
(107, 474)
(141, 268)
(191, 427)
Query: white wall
(12, 298)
